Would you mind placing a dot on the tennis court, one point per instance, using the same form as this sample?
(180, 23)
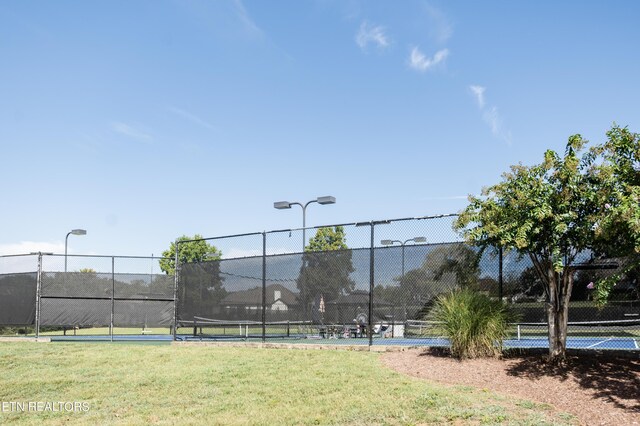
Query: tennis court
(334, 297)
(603, 335)
(572, 342)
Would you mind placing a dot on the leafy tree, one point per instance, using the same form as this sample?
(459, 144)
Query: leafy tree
(419, 285)
(545, 211)
(443, 269)
(327, 239)
(195, 249)
(457, 259)
(392, 294)
(326, 267)
(618, 228)
(200, 281)
(201, 289)
(523, 287)
(554, 210)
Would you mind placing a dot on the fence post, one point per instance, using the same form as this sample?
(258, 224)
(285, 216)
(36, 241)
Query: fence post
(500, 282)
(264, 286)
(38, 291)
(175, 292)
(371, 279)
(113, 294)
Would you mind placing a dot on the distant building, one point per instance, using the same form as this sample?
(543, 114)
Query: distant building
(278, 298)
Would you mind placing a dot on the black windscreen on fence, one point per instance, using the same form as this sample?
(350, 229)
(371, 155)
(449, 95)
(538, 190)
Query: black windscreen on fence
(74, 312)
(327, 287)
(373, 280)
(205, 292)
(302, 289)
(18, 298)
(143, 300)
(408, 279)
(84, 297)
(76, 299)
(328, 292)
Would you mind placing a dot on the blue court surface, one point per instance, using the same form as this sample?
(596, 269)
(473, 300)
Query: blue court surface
(618, 343)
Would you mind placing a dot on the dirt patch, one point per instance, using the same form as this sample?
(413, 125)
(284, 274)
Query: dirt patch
(597, 390)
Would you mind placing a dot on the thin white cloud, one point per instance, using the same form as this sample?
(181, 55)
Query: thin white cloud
(422, 63)
(440, 29)
(491, 116)
(248, 23)
(130, 131)
(372, 34)
(191, 117)
(495, 121)
(478, 91)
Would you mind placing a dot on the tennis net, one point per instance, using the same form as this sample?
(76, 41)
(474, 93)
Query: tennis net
(210, 328)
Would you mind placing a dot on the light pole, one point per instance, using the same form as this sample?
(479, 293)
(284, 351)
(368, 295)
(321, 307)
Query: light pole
(66, 240)
(281, 205)
(403, 243)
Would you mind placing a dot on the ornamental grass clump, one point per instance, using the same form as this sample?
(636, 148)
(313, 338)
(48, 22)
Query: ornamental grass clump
(475, 324)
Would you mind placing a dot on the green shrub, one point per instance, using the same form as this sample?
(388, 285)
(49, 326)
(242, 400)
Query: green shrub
(474, 324)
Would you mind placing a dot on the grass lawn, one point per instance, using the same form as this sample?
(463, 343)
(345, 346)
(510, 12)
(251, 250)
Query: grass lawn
(176, 384)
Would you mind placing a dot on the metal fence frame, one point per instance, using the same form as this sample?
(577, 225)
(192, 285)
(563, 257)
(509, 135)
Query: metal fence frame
(371, 224)
(112, 298)
(369, 231)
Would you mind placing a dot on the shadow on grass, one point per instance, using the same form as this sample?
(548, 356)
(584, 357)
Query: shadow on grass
(616, 379)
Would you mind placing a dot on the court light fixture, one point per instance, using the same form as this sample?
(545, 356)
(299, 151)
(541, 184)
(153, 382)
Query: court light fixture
(66, 241)
(402, 244)
(281, 205)
(326, 200)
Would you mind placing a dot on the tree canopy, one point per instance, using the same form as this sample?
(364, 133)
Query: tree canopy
(327, 239)
(192, 249)
(554, 210)
(201, 286)
(326, 266)
(618, 229)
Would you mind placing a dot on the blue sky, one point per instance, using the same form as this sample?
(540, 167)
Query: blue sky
(143, 121)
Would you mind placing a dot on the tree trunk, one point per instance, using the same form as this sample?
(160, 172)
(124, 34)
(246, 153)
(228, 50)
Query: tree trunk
(557, 308)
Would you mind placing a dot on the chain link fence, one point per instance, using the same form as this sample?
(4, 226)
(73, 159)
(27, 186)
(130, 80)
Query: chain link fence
(67, 293)
(381, 284)
(360, 283)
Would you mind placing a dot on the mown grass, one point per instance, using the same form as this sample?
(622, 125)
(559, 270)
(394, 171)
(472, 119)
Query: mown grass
(182, 384)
